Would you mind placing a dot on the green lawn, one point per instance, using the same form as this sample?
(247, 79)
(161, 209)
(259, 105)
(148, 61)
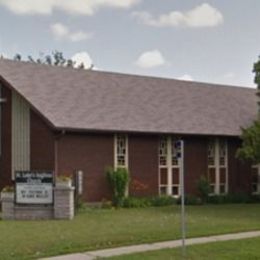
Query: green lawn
(101, 228)
(246, 249)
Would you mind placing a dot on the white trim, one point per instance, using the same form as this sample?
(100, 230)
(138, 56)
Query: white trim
(126, 166)
(169, 168)
(169, 164)
(257, 166)
(20, 134)
(218, 167)
(126, 152)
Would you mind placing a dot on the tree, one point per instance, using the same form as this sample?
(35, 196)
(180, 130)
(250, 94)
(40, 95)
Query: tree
(250, 149)
(256, 70)
(56, 58)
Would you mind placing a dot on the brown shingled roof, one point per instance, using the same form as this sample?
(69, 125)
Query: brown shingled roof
(95, 100)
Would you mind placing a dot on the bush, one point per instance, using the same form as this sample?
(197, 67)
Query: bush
(132, 202)
(190, 200)
(233, 198)
(159, 201)
(255, 199)
(106, 204)
(203, 189)
(118, 180)
(8, 189)
(217, 199)
(80, 203)
(238, 198)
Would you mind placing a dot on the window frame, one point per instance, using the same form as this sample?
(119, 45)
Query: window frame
(116, 159)
(218, 166)
(169, 166)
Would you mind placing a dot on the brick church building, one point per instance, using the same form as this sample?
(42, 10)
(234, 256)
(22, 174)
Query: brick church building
(67, 120)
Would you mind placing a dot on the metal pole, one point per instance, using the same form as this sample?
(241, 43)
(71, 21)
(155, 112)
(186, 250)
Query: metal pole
(183, 222)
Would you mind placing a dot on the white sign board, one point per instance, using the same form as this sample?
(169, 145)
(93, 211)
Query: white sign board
(34, 187)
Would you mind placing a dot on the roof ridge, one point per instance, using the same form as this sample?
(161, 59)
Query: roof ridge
(121, 74)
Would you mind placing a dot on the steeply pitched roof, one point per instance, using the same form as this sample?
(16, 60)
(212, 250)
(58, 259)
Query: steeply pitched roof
(95, 100)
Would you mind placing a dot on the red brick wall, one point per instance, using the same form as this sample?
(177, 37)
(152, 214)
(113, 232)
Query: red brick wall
(143, 165)
(5, 158)
(92, 154)
(239, 171)
(195, 161)
(42, 144)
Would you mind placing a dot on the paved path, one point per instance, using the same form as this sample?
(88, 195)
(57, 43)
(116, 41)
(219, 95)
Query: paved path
(90, 255)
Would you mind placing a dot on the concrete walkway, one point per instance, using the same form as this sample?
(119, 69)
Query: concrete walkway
(90, 255)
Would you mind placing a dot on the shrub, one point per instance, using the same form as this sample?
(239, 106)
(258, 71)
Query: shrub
(118, 180)
(238, 198)
(233, 198)
(80, 203)
(132, 202)
(190, 200)
(203, 189)
(137, 185)
(255, 198)
(64, 178)
(106, 204)
(216, 199)
(8, 189)
(159, 201)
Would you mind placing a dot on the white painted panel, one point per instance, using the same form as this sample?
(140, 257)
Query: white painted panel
(20, 134)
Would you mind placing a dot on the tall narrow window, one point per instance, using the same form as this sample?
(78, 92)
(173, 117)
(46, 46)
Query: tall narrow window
(212, 166)
(121, 151)
(218, 166)
(169, 167)
(223, 187)
(163, 165)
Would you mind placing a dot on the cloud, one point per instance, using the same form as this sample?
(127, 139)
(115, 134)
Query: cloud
(150, 59)
(76, 7)
(229, 75)
(203, 15)
(82, 58)
(60, 32)
(186, 77)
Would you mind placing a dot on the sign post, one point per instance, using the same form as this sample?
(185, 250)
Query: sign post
(182, 184)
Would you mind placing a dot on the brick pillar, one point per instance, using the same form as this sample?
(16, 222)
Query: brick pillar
(63, 202)
(7, 199)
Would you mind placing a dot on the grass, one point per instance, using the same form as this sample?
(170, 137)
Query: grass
(246, 249)
(102, 228)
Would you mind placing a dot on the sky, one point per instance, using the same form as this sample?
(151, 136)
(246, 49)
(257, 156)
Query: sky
(213, 41)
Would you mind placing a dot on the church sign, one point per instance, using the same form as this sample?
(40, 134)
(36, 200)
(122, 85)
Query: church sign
(33, 187)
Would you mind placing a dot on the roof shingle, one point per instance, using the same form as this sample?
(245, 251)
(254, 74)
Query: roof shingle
(95, 100)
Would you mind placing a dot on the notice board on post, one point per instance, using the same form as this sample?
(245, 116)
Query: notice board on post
(34, 187)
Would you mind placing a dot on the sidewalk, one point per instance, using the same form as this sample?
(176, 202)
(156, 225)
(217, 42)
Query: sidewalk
(153, 246)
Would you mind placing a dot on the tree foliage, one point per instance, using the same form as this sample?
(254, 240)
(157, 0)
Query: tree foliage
(250, 149)
(118, 180)
(56, 58)
(256, 70)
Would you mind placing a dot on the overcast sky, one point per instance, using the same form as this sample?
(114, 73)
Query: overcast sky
(211, 41)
